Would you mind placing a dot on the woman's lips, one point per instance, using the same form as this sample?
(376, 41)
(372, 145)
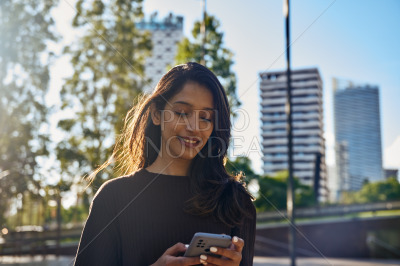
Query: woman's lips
(189, 141)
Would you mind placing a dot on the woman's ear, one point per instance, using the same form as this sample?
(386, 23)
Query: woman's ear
(155, 114)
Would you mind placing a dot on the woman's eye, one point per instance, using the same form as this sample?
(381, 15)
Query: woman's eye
(181, 113)
(206, 119)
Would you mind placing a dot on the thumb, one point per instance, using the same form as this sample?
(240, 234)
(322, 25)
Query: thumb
(175, 249)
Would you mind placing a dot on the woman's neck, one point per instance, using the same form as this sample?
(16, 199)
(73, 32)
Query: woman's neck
(173, 167)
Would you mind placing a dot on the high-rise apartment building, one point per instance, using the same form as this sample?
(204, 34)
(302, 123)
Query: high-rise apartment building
(357, 135)
(165, 35)
(391, 173)
(308, 139)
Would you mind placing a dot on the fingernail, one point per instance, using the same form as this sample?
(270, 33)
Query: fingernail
(235, 239)
(203, 257)
(203, 262)
(213, 249)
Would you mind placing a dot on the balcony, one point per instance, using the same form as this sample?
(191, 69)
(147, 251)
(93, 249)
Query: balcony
(271, 101)
(304, 166)
(307, 132)
(274, 126)
(308, 141)
(268, 94)
(270, 117)
(281, 131)
(306, 91)
(269, 142)
(312, 149)
(307, 108)
(274, 150)
(309, 124)
(273, 109)
(307, 116)
(306, 100)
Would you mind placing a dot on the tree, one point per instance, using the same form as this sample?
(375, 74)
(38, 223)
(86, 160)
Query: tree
(272, 194)
(217, 58)
(26, 29)
(273, 191)
(242, 165)
(385, 190)
(108, 69)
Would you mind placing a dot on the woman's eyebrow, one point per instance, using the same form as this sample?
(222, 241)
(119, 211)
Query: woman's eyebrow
(191, 105)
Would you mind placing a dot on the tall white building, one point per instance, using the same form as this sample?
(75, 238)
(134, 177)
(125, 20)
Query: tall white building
(165, 36)
(357, 134)
(308, 140)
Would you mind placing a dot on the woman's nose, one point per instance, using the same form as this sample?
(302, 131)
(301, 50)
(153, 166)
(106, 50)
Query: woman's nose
(192, 123)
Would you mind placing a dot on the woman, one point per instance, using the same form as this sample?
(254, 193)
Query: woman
(172, 150)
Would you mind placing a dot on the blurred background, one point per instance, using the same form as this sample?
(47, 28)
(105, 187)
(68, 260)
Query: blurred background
(71, 69)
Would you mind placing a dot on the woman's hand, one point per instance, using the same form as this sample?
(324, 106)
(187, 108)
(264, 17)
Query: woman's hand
(170, 257)
(230, 256)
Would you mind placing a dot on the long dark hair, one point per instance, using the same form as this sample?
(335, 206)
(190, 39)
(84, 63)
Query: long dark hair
(215, 191)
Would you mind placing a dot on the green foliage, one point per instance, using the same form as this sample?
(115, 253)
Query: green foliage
(217, 58)
(241, 165)
(386, 190)
(43, 210)
(74, 214)
(272, 194)
(26, 29)
(273, 190)
(108, 68)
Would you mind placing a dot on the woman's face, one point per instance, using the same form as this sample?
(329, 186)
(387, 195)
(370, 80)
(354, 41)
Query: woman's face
(187, 122)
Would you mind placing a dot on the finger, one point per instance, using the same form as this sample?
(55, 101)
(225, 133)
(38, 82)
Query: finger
(188, 260)
(238, 243)
(175, 249)
(229, 255)
(208, 263)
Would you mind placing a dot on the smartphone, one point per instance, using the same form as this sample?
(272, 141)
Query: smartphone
(201, 243)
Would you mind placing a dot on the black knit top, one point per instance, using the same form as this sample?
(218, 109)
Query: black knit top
(134, 219)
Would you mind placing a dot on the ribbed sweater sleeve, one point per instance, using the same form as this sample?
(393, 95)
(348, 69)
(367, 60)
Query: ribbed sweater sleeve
(99, 244)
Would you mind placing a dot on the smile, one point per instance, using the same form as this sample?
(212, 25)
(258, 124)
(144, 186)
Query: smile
(189, 142)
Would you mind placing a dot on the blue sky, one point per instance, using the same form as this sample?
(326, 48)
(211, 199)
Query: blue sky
(355, 40)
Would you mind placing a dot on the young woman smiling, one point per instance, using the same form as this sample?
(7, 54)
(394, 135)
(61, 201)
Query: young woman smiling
(172, 153)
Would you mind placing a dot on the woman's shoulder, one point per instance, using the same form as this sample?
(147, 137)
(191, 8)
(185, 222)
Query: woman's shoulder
(116, 186)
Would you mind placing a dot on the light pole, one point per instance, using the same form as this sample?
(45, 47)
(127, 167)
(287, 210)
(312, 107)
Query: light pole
(288, 109)
(203, 33)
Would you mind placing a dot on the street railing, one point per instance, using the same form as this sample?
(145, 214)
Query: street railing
(323, 211)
